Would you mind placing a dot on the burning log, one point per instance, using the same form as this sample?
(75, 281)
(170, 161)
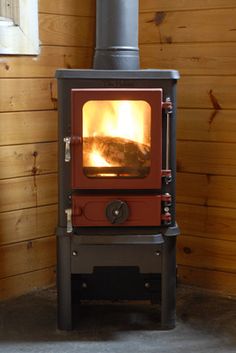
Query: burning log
(116, 151)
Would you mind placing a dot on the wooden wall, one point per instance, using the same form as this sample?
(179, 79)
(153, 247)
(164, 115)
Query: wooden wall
(199, 39)
(196, 37)
(28, 147)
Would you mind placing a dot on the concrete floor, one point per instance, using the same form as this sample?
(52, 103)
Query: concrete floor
(205, 324)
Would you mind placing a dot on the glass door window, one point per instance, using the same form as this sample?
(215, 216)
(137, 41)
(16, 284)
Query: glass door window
(116, 138)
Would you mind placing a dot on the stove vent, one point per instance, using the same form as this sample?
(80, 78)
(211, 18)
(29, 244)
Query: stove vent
(117, 35)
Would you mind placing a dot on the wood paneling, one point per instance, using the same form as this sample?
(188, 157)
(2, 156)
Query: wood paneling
(28, 152)
(223, 282)
(162, 27)
(87, 8)
(68, 7)
(203, 49)
(191, 58)
(27, 256)
(207, 222)
(207, 92)
(206, 125)
(28, 192)
(32, 159)
(27, 94)
(28, 127)
(26, 282)
(40, 94)
(66, 30)
(208, 190)
(206, 157)
(206, 253)
(183, 5)
(188, 26)
(28, 223)
(45, 65)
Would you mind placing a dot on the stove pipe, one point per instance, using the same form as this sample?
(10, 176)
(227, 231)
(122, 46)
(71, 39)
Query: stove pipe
(116, 35)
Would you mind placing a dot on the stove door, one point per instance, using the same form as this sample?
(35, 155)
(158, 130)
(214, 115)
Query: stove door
(115, 211)
(116, 138)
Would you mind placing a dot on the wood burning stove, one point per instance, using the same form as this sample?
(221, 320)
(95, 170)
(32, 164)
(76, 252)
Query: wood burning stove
(116, 232)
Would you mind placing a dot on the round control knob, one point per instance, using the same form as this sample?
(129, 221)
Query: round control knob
(117, 211)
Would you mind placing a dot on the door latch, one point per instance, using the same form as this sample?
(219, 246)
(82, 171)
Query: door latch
(67, 141)
(69, 228)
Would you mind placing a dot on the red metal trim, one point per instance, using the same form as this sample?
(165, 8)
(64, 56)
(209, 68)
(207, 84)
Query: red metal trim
(167, 105)
(166, 217)
(76, 139)
(166, 198)
(90, 210)
(166, 173)
(151, 96)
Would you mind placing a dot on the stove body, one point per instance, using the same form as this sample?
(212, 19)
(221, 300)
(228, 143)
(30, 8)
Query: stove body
(98, 257)
(116, 235)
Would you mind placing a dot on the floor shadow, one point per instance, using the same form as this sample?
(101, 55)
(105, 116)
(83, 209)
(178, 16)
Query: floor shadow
(32, 318)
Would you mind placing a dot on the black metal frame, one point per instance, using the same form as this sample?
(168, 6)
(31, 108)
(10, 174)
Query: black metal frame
(85, 250)
(116, 35)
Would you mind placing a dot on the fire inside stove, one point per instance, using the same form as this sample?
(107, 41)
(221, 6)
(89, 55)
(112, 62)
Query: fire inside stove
(116, 138)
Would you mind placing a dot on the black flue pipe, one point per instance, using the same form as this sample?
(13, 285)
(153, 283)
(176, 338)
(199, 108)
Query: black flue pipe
(116, 35)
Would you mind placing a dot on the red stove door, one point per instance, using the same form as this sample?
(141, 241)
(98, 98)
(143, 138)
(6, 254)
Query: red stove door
(115, 211)
(116, 138)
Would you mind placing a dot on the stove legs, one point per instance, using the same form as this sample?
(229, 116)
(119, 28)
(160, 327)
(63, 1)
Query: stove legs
(168, 302)
(168, 283)
(64, 283)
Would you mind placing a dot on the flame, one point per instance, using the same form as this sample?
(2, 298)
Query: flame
(97, 160)
(124, 119)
